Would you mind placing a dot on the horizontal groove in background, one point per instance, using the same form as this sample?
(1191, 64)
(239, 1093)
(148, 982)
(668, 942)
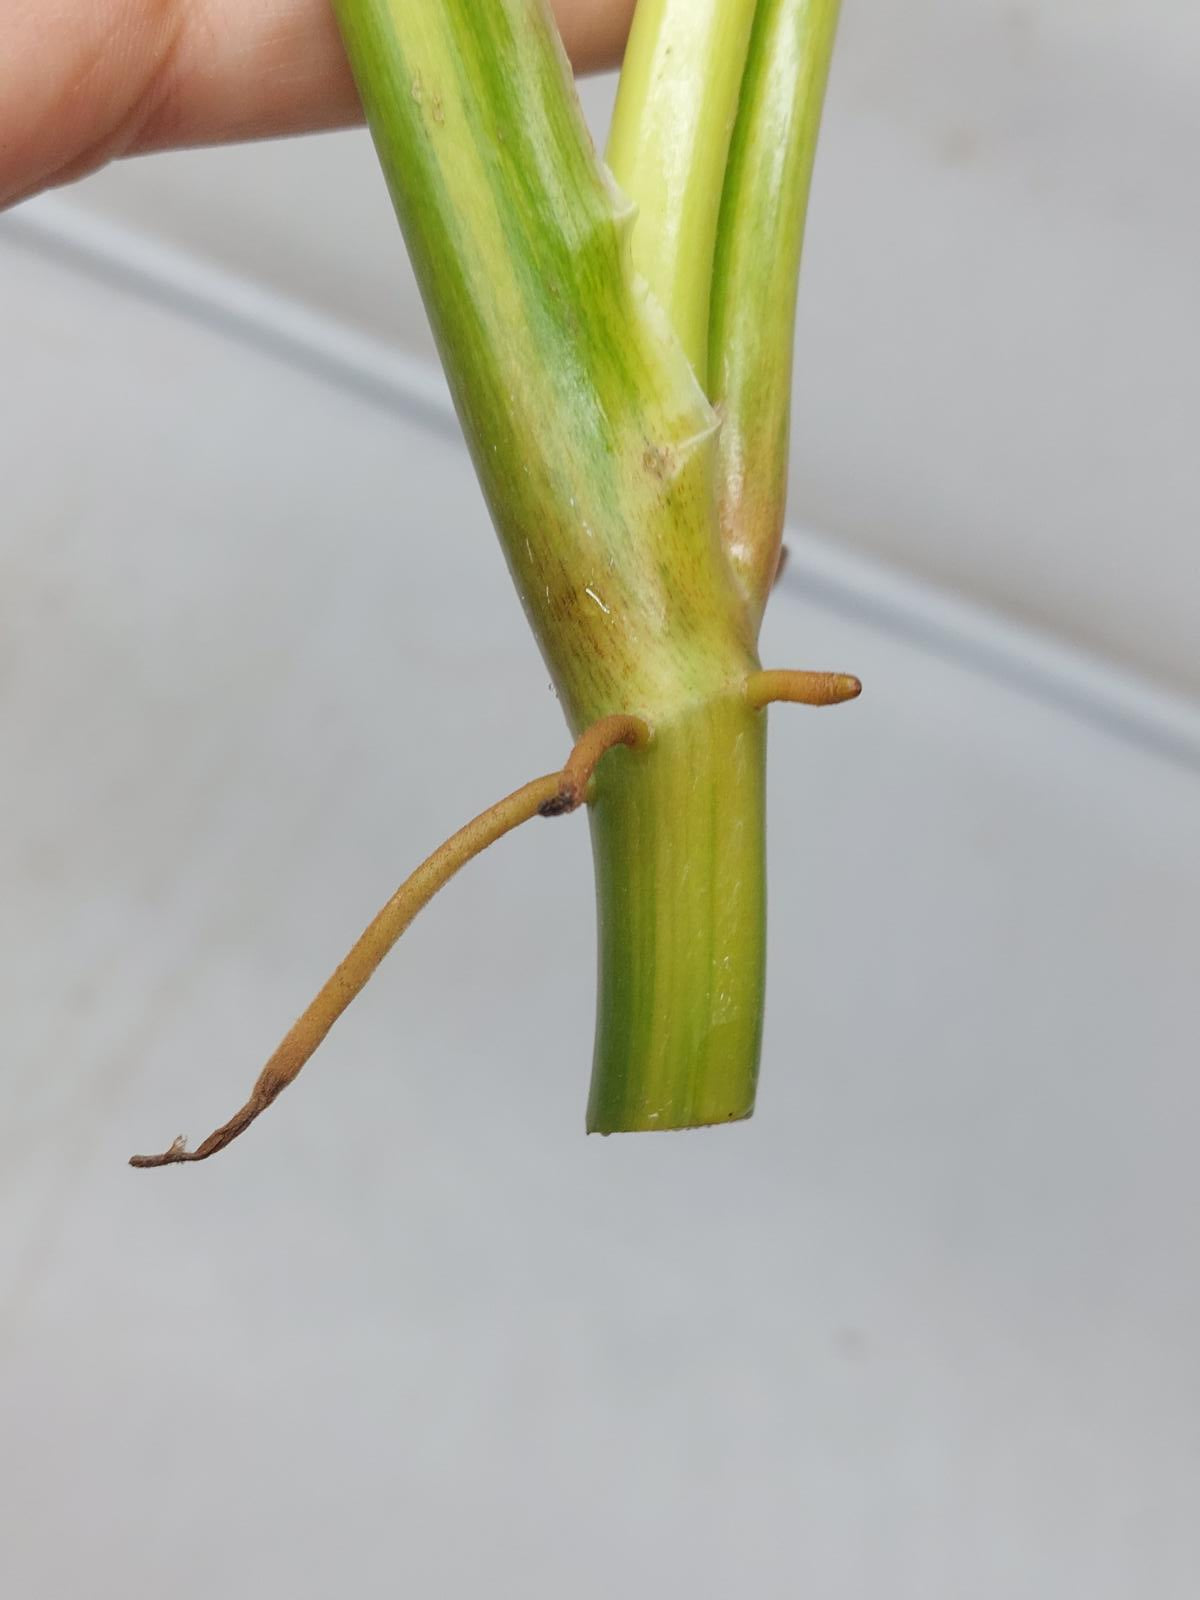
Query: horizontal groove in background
(1122, 705)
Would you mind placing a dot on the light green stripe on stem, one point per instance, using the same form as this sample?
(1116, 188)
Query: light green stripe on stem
(755, 274)
(668, 143)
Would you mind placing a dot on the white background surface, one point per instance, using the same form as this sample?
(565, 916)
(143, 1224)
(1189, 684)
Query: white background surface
(926, 1327)
(998, 366)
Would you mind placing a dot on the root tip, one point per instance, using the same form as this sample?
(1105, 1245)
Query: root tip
(178, 1152)
(801, 688)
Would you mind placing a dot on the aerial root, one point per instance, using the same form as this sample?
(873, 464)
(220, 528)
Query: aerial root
(576, 776)
(554, 795)
(801, 688)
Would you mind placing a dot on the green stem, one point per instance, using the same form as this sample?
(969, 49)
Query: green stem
(755, 276)
(597, 452)
(594, 444)
(668, 143)
(678, 840)
(596, 448)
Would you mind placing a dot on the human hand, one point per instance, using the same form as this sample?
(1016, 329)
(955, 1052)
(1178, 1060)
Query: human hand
(85, 81)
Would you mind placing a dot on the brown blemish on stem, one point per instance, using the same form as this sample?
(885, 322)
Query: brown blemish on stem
(659, 461)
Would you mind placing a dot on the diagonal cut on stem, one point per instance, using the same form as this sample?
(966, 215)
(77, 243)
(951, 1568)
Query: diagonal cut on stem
(554, 795)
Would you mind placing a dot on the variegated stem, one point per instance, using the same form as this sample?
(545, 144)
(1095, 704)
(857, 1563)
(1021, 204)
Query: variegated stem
(593, 442)
(596, 449)
(668, 144)
(755, 274)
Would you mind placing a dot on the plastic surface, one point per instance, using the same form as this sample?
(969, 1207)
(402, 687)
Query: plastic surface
(925, 1326)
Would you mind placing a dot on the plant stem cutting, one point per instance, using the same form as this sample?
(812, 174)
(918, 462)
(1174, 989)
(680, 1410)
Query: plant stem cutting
(617, 337)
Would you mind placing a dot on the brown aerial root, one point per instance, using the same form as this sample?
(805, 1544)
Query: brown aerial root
(551, 796)
(802, 688)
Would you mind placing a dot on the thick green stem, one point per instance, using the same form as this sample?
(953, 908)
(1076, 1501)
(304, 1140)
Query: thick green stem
(678, 840)
(593, 441)
(596, 448)
(597, 451)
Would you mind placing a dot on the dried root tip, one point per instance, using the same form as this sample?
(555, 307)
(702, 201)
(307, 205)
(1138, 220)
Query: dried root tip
(551, 796)
(802, 688)
(274, 1077)
(177, 1152)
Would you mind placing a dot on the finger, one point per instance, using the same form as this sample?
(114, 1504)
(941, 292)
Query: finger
(83, 81)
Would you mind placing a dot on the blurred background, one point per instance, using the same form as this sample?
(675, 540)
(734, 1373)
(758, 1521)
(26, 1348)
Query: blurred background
(927, 1325)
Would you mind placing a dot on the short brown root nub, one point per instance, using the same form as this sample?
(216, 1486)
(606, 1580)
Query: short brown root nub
(801, 688)
(551, 796)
